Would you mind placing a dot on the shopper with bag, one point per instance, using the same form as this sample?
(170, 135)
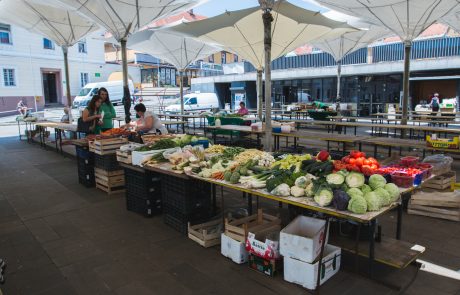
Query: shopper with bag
(90, 120)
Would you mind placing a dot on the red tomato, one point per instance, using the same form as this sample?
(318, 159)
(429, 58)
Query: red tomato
(355, 154)
(346, 159)
(374, 167)
(362, 154)
(352, 161)
(372, 160)
(360, 161)
(366, 162)
(355, 168)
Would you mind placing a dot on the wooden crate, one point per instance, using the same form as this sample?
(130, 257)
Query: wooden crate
(107, 146)
(124, 157)
(259, 223)
(441, 182)
(206, 234)
(110, 181)
(445, 205)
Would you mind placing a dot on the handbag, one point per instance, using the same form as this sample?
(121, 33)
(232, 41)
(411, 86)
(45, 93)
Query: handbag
(84, 127)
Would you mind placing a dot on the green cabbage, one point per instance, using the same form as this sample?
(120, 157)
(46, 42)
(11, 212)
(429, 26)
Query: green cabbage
(365, 188)
(373, 201)
(323, 197)
(354, 179)
(393, 190)
(357, 205)
(384, 196)
(335, 180)
(309, 192)
(376, 181)
(353, 192)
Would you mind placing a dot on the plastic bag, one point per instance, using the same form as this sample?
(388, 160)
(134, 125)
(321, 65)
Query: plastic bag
(167, 154)
(440, 163)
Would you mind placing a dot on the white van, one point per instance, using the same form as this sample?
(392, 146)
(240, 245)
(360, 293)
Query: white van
(196, 102)
(115, 89)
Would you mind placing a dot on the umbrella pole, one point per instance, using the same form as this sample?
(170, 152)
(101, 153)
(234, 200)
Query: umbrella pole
(268, 19)
(260, 98)
(126, 93)
(181, 91)
(339, 73)
(405, 102)
(67, 78)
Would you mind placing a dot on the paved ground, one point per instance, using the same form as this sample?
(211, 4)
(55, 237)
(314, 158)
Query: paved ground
(61, 238)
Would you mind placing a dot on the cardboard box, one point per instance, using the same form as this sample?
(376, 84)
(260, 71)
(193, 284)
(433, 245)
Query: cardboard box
(306, 274)
(233, 249)
(268, 267)
(266, 247)
(302, 238)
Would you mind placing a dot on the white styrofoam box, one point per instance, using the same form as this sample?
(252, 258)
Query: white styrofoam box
(233, 249)
(139, 157)
(302, 238)
(306, 274)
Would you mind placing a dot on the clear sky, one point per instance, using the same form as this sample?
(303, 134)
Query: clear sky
(215, 7)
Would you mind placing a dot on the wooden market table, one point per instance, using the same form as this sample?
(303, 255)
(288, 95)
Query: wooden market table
(239, 128)
(392, 252)
(58, 127)
(323, 136)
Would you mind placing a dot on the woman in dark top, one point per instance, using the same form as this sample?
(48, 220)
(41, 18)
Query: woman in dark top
(91, 114)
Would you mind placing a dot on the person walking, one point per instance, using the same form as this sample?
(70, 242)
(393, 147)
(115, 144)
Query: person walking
(435, 103)
(107, 110)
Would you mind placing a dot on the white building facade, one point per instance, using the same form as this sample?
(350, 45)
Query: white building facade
(32, 68)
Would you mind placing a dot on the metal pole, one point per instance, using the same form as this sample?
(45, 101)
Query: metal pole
(181, 85)
(268, 19)
(126, 93)
(339, 72)
(67, 78)
(405, 102)
(260, 98)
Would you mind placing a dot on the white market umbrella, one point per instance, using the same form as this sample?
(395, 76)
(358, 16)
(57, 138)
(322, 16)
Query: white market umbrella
(173, 47)
(242, 32)
(349, 42)
(124, 17)
(52, 20)
(452, 20)
(406, 18)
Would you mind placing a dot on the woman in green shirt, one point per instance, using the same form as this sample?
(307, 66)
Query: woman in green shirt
(107, 108)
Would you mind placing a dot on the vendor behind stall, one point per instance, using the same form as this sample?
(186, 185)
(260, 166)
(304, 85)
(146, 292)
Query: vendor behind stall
(107, 109)
(242, 111)
(147, 122)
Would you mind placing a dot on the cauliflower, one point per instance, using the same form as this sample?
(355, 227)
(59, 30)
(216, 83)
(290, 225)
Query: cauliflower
(282, 190)
(302, 182)
(309, 190)
(297, 191)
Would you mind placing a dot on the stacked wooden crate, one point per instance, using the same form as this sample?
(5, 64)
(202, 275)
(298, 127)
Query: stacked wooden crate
(444, 205)
(109, 175)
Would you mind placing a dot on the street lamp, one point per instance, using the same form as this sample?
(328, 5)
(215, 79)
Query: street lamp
(267, 6)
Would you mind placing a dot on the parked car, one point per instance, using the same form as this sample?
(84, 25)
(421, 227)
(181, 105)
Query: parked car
(115, 89)
(196, 102)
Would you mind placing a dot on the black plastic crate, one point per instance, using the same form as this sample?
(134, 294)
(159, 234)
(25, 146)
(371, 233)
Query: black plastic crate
(87, 180)
(179, 221)
(186, 195)
(106, 162)
(84, 153)
(145, 207)
(143, 185)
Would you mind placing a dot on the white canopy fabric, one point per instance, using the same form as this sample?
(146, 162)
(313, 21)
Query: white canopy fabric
(171, 46)
(348, 42)
(52, 20)
(242, 31)
(406, 18)
(123, 17)
(452, 20)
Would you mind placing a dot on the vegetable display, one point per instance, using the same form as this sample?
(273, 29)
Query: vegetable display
(357, 161)
(315, 178)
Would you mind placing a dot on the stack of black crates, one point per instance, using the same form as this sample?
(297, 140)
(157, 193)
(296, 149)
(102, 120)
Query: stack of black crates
(85, 160)
(185, 200)
(143, 191)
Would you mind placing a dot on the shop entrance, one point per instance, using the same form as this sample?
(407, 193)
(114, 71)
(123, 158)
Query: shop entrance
(51, 89)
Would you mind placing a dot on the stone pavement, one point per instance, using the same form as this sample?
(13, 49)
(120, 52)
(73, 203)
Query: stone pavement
(59, 237)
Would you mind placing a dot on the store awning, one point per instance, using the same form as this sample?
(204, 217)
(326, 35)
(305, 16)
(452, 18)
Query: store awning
(434, 78)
